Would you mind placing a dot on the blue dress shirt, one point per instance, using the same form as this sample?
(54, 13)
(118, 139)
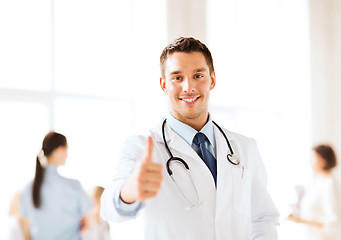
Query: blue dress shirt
(187, 133)
(63, 203)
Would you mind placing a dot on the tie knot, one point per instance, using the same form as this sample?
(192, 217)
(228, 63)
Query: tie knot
(199, 138)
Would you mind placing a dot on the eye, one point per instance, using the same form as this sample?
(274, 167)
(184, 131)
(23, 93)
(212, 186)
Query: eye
(198, 76)
(177, 78)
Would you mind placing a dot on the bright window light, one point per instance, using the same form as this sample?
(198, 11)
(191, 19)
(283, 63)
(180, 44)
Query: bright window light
(87, 69)
(22, 127)
(25, 44)
(92, 47)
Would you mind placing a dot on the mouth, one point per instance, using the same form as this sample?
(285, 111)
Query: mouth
(190, 100)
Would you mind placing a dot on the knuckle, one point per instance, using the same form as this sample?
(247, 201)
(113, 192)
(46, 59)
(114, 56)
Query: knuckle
(144, 164)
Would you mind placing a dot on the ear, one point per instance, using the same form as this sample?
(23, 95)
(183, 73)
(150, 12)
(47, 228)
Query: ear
(163, 85)
(213, 80)
(58, 150)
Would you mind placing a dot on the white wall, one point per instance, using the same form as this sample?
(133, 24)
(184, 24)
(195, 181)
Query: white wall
(325, 25)
(186, 18)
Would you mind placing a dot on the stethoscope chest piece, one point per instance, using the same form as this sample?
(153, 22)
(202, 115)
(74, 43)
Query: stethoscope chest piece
(233, 159)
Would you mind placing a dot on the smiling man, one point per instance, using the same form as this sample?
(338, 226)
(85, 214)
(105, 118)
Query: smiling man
(187, 79)
(190, 178)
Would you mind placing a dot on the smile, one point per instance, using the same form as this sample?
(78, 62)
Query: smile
(190, 100)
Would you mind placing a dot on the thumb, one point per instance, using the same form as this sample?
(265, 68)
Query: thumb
(149, 150)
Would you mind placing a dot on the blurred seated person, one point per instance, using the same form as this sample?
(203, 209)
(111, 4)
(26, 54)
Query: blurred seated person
(97, 229)
(17, 227)
(319, 209)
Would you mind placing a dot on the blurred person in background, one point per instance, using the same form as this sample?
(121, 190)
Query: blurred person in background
(98, 229)
(319, 209)
(54, 205)
(17, 227)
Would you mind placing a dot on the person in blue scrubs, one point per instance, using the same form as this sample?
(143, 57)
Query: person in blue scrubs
(54, 205)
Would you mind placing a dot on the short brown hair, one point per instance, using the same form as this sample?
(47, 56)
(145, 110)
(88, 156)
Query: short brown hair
(187, 45)
(328, 154)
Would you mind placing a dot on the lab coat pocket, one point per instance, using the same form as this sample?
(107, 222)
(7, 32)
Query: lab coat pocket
(242, 190)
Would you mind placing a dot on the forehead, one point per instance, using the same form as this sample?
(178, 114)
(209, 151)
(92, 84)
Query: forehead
(183, 62)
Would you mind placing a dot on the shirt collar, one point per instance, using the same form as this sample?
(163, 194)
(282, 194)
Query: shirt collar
(188, 133)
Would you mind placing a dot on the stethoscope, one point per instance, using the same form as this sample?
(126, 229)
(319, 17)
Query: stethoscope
(233, 159)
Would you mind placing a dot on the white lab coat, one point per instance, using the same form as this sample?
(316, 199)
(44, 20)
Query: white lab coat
(239, 209)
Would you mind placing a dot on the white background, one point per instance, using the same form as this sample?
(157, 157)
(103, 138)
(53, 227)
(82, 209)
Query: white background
(90, 70)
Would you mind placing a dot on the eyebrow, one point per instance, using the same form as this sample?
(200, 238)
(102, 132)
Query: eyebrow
(175, 72)
(200, 70)
(195, 71)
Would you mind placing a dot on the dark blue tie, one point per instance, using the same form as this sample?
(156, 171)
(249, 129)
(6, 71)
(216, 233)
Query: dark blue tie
(205, 154)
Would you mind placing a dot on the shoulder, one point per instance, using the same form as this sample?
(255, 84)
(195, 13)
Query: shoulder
(135, 139)
(133, 144)
(71, 183)
(239, 138)
(330, 183)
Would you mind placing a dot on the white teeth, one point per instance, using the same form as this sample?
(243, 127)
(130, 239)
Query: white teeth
(189, 99)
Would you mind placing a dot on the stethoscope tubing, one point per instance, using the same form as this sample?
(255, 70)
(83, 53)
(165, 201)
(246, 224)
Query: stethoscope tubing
(231, 157)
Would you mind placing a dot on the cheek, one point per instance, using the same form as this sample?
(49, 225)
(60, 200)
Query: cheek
(64, 155)
(205, 87)
(313, 162)
(173, 90)
(322, 164)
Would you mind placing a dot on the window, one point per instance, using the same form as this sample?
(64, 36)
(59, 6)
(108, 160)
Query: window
(81, 68)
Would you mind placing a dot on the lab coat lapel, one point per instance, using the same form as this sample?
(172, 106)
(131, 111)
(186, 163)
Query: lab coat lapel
(199, 172)
(221, 152)
(179, 146)
(224, 172)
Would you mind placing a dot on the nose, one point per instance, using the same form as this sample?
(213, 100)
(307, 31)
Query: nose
(188, 85)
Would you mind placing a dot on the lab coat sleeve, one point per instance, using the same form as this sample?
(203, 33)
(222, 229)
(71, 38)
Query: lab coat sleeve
(123, 208)
(264, 215)
(131, 152)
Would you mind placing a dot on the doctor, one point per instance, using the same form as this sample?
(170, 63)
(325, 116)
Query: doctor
(190, 178)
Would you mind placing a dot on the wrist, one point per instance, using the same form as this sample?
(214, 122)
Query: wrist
(126, 200)
(125, 194)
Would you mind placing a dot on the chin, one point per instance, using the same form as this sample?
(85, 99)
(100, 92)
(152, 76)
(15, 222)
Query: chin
(189, 115)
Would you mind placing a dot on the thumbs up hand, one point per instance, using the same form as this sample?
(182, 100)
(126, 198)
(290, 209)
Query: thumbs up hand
(145, 181)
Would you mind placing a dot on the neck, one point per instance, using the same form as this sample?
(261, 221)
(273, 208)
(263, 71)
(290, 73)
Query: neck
(196, 123)
(324, 173)
(53, 162)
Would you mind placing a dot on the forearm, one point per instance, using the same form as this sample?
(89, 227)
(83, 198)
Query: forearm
(25, 225)
(306, 221)
(312, 223)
